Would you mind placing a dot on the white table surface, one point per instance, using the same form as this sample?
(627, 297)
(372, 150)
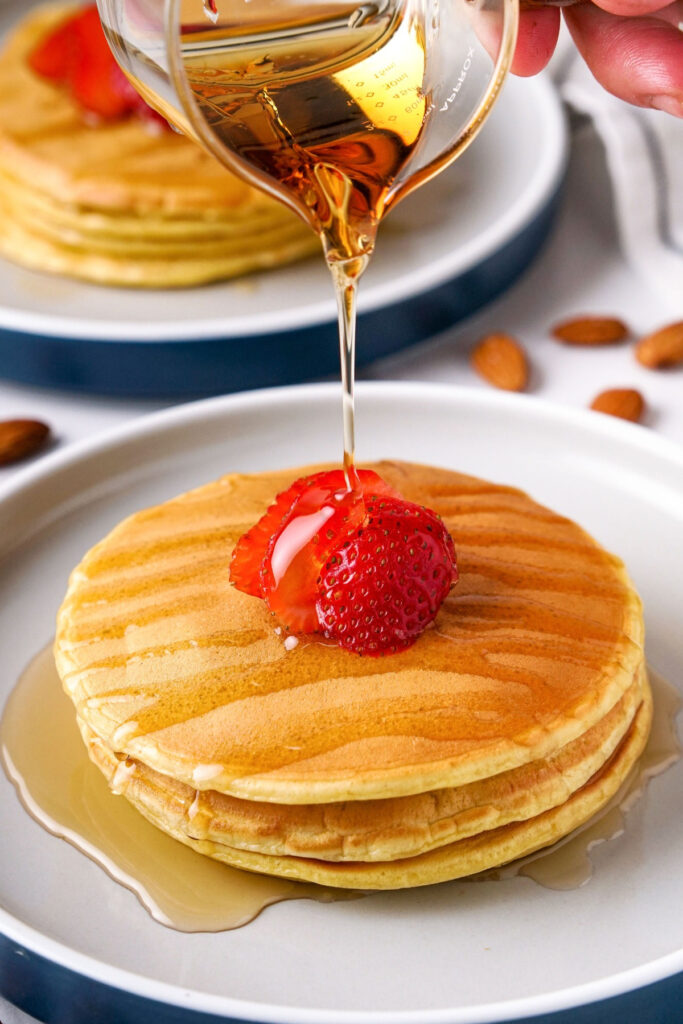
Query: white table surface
(581, 270)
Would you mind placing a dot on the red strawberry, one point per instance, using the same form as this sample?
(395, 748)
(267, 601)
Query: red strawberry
(97, 82)
(381, 588)
(77, 55)
(281, 557)
(247, 558)
(55, 56)
(100, 88)
(325, 514)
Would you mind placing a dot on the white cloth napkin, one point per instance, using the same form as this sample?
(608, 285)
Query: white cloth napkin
(644, 151)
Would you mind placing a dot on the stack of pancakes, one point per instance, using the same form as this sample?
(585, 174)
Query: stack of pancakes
(508, 724)
(123, 202)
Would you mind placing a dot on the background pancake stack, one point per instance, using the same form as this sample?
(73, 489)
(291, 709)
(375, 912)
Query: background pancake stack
(123, 202)
(505, 726)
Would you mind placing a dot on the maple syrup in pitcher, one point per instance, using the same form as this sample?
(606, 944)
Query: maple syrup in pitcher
(187, 891)
(325, 112)
(338, 109)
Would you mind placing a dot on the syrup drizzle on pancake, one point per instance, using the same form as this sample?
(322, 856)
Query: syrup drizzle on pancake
(537, 601)
(181, 889)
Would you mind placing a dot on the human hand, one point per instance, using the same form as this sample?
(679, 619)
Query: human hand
(633, 47)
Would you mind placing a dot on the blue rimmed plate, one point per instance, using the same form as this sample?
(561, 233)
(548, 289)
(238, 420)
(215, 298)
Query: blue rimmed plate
(447, 250)
(79, 947)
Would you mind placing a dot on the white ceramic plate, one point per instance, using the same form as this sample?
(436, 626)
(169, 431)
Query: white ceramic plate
(445, 229)
(451, 953)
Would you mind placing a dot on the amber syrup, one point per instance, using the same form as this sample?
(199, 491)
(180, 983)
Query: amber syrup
(69, 797)
(184, 890)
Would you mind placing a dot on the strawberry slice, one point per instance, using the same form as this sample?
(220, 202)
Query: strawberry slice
(247, 558)
(322, 519)
(280, 558)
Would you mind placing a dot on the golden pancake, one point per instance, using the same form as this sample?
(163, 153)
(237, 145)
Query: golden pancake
(117, 226)
(120, 202)
(170, 665)
(466, 857)
(369, 830)
(194, 265)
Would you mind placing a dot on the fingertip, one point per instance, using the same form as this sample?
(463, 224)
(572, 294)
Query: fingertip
(538, 32)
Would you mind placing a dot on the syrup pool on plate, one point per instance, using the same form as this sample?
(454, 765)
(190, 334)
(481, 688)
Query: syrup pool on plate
(184, 890)
(69, 797)
(567, 864)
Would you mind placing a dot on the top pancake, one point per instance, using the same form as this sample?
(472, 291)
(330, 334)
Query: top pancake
(169, 664)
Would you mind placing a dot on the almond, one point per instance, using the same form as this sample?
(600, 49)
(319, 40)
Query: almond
(502, 361)
(590, 330)
(21, 438)
(662, 348)
(625, 403)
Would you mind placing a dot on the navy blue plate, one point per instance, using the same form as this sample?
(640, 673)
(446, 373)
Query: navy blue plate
(78, 948)
(52, 994)
(218, 365)
(447, 250)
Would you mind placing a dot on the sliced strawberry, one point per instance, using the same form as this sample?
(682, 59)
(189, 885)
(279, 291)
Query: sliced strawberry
(322, 519)
(247, 558)
(381, 589)
(280, 558)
